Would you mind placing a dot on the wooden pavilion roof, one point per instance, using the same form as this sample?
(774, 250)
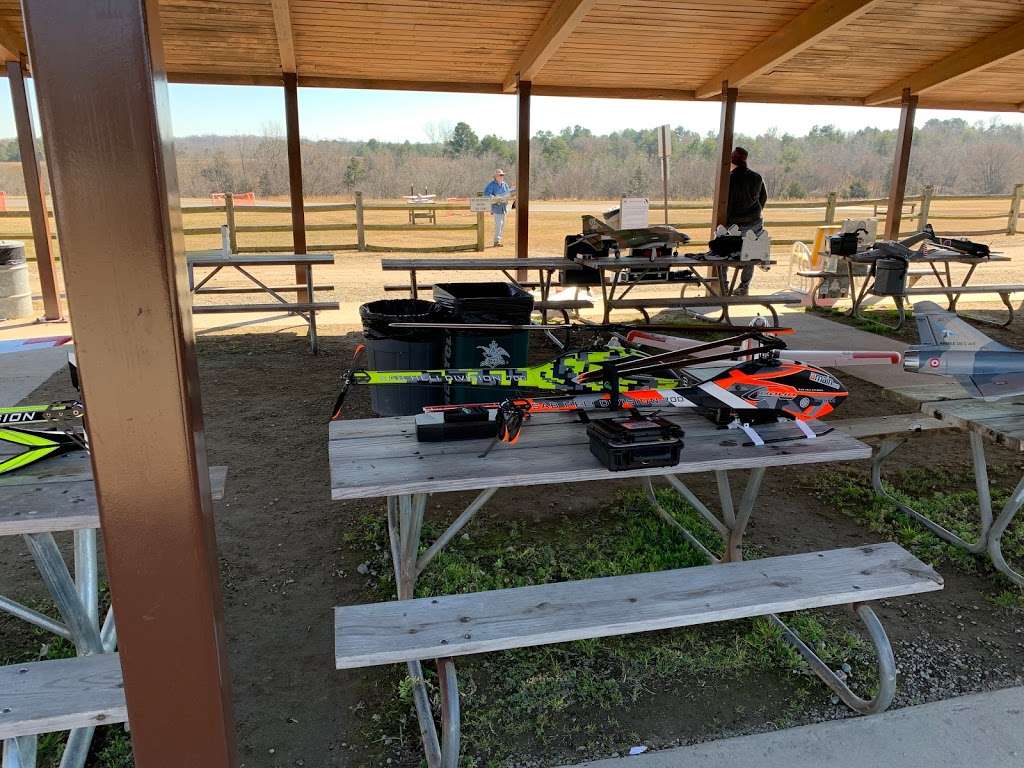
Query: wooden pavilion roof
(967, 55)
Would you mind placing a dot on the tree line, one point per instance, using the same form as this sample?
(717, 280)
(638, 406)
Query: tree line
(954, 156)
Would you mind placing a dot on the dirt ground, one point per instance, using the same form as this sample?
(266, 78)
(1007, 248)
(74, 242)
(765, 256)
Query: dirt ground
(289, 554)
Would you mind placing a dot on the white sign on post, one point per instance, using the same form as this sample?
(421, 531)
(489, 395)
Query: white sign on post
(634, 213)
(664, 141)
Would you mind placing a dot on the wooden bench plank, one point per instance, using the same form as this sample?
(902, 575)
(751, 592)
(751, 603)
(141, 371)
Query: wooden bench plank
(215, 309)
(218, 259)
(59, 695)
(706, 301)
(964, 289)
(563, 304)
(876, 426)
(456, 625)
(220, 289)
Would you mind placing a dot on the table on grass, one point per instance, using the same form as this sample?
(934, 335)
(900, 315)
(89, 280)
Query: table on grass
(938, 264)
(58, 495)
(999, 423)
(381, 458)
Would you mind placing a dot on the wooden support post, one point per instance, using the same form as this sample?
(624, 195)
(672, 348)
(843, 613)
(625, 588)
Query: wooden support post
(480, 230)
(523, 175)
(830, 209)
(720, 202)
(900, 165)
(101, 85)
(291, 119)
(926, 204)
(1014, 217)
(36, 193)
(360, 223)
(229, 211)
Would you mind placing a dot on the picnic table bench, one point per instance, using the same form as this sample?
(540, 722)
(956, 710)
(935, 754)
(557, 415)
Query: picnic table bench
(59, 495)
(306, 308)
(381, 457)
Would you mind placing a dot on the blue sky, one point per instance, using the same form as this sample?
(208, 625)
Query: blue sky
(401, 115)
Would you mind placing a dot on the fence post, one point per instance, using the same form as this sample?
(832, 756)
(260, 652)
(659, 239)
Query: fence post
(479, 230)
(926, 204)
(229, 210)
(360, 229)
(1011, 224)
(830, 209)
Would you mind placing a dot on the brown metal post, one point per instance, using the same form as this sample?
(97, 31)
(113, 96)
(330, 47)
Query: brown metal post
(720, 202)
(36, 193)
(523, 175)
(900, 165)
(291, 120)
(102, 90)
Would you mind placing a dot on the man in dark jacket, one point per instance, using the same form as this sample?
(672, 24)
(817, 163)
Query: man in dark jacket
(747, 196)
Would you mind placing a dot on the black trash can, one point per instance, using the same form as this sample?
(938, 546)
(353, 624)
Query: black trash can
(403, 349)
(500, 303)
(890, 277)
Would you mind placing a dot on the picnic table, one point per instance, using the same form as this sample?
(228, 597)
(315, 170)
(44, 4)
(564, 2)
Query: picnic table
(381, 458)
(219, 260)
(55, 496)
(937, 261)
(1000, 423)
(617, 278)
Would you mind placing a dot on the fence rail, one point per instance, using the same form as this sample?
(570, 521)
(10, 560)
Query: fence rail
(916, 209)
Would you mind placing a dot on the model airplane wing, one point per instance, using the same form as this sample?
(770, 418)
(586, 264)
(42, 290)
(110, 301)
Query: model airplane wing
(940, 328)
(993, 386)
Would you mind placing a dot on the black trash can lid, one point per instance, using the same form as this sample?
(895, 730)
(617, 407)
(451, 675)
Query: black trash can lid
(377, 317)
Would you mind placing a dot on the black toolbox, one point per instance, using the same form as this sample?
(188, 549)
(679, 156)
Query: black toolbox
(635, 442)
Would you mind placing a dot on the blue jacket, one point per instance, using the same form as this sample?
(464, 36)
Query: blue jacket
(495, 188)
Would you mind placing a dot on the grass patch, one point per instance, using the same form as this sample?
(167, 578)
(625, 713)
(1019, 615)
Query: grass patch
(551, 698)
(950, 499)
(877, 321)
(111, 746)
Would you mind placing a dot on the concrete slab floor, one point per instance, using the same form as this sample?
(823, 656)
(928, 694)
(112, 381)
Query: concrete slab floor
(980, 731)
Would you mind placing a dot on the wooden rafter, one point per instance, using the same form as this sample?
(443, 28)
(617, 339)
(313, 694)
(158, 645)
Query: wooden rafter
(559, 22)
(984, 53)
(800, 33)
(283, 27)
(12, 41)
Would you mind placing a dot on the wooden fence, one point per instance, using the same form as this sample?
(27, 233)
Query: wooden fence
(917, 209)
(359, 225)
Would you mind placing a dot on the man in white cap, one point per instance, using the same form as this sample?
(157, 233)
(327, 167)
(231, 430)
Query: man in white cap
(497, 187)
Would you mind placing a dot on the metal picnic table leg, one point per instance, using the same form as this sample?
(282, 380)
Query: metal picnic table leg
(892, 444)
(78, 603)
(313, 343)
(20, 752)
(995, 548)
(731, 527)
(405, 524)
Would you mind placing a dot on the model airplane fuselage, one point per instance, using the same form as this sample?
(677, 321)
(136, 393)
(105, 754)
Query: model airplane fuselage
(949, 346)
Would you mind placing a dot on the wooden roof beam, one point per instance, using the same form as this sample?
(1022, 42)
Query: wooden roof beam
(800, 33)
(561, 19)
(984, 53)
(283, 27)
(12, 42)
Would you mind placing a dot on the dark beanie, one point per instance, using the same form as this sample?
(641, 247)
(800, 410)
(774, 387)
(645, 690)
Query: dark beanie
(739, 156)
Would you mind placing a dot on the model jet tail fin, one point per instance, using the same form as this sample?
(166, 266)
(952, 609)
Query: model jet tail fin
(938, 328)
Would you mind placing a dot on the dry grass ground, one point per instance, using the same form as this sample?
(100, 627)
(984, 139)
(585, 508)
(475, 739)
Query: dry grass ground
(358, 278)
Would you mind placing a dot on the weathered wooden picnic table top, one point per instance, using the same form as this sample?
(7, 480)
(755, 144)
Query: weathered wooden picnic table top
(219, 259)
(59, 494)
(1002, 422)
(939, 257)
(381, 457)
